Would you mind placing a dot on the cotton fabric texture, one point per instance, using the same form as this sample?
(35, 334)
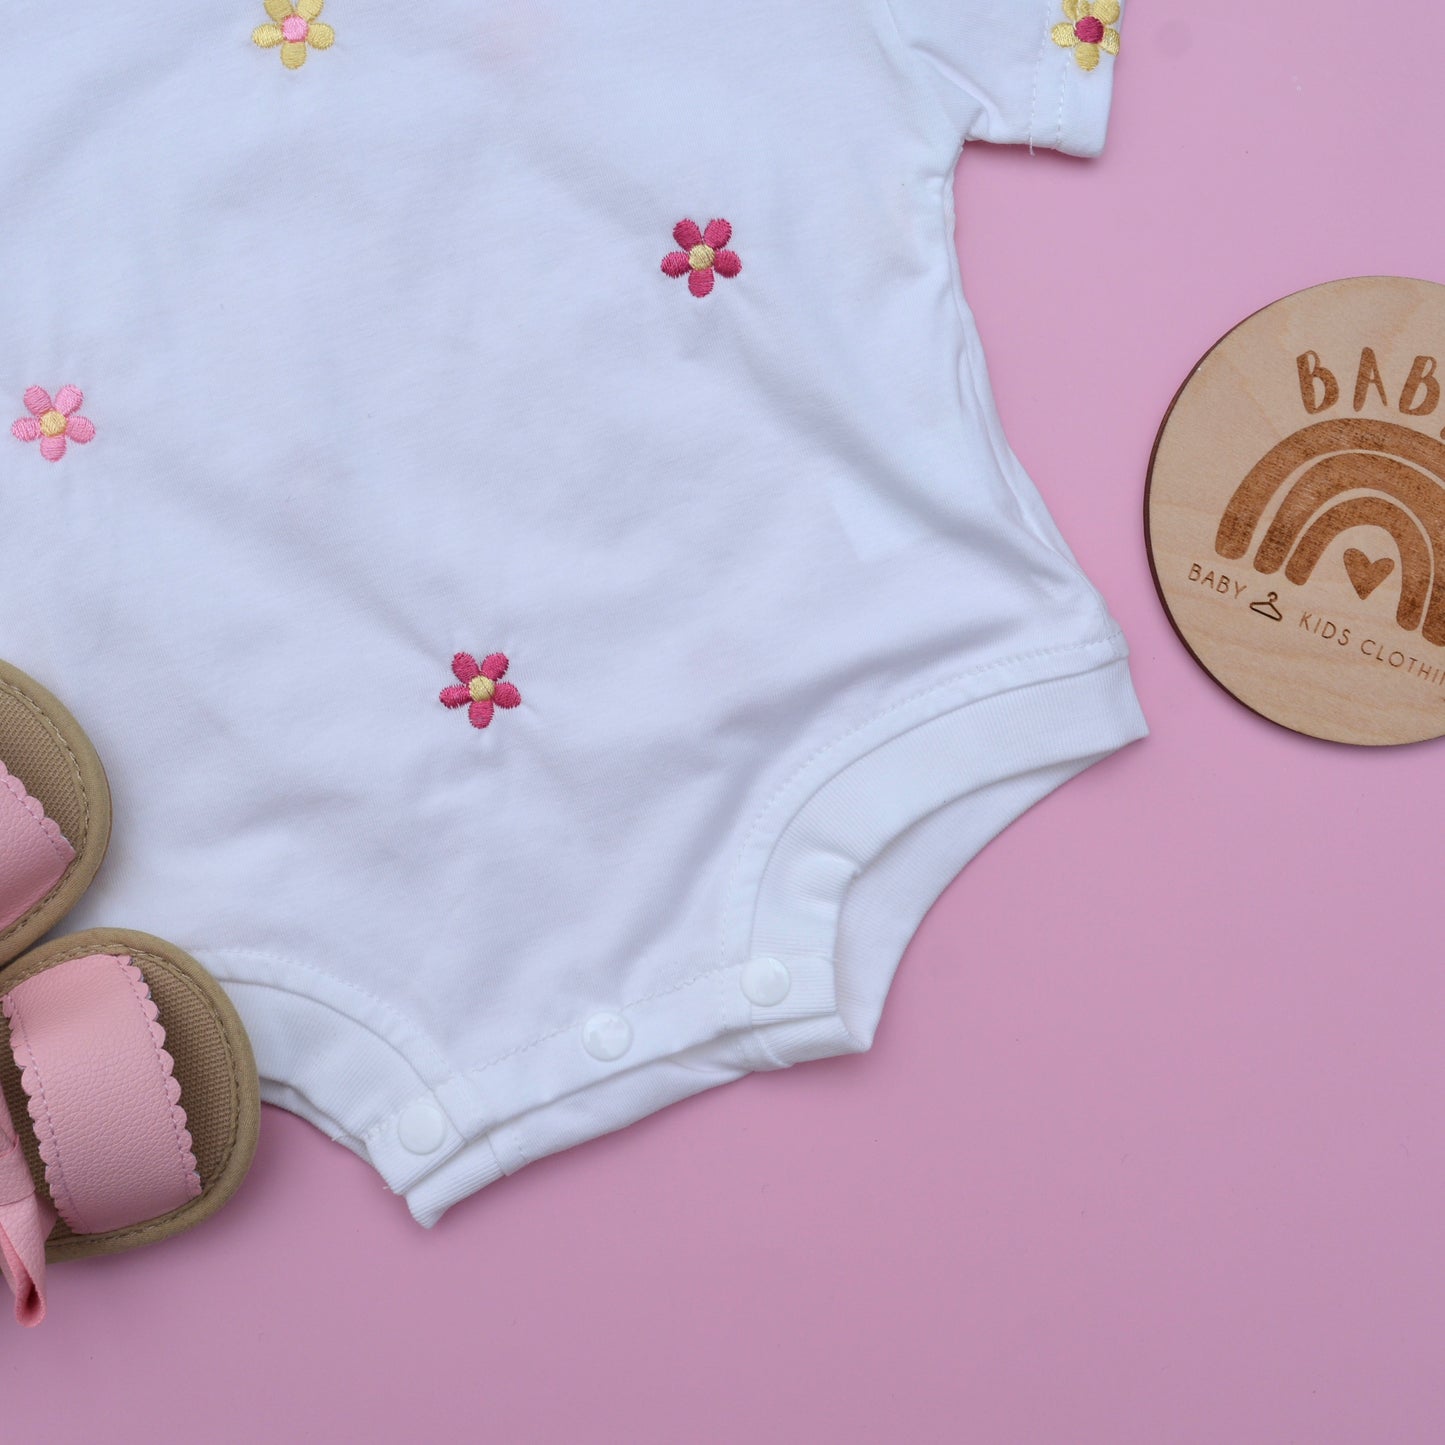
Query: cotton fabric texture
(393, 385)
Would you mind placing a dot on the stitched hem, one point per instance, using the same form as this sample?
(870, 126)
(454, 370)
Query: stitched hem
(842, 889)
(980, 750)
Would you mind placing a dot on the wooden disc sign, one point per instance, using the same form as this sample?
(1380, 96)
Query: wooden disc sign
(1296, 512)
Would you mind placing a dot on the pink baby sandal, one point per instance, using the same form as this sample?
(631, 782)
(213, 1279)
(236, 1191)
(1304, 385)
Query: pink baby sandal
(129, 1102)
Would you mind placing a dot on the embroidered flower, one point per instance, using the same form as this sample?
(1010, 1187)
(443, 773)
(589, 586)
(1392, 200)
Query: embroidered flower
(296, 27)
(702, 253)
(1090, 30)
(53, 422)
(481, 686)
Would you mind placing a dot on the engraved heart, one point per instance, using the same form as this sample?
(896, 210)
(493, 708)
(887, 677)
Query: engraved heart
(1367, 575)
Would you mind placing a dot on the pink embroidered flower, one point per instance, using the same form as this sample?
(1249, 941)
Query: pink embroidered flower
(1090, 32)
(702, 253)
(52, 422)
(481, 686)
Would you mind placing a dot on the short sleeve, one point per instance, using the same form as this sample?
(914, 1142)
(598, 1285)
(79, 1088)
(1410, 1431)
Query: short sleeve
(1018, 72)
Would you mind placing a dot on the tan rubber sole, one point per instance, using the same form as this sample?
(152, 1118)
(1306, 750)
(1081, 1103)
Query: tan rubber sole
(44, 746)
(213, 1062)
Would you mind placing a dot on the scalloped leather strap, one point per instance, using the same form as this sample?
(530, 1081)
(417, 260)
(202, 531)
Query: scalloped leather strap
(33, 852)
(102, 1098)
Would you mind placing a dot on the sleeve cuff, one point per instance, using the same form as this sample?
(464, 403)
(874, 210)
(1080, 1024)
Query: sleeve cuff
(1072, 104)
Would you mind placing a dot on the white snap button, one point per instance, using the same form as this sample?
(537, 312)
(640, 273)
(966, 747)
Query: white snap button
(421, 1128)
(766, 981)
(607, 1036)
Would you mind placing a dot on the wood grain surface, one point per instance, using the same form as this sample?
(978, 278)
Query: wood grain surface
(1295, 512)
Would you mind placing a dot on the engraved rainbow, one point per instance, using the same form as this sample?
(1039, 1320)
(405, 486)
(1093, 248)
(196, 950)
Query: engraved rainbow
(1344, 474)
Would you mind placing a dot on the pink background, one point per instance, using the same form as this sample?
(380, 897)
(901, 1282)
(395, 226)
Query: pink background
(1150, 1145)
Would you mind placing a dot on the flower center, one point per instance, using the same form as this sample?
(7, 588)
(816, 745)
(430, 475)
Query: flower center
(52, 424)
(482, 689)
(700, 258)
(294, 28)
(1090, 30)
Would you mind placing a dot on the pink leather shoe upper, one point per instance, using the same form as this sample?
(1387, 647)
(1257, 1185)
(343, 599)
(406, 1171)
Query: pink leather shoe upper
(102, 1098)
(33, 852)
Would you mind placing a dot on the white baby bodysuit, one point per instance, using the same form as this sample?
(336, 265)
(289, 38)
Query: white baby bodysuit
(513, 493)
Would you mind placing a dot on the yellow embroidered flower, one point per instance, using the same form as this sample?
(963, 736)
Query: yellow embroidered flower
(1089, 31)
(296, 27)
